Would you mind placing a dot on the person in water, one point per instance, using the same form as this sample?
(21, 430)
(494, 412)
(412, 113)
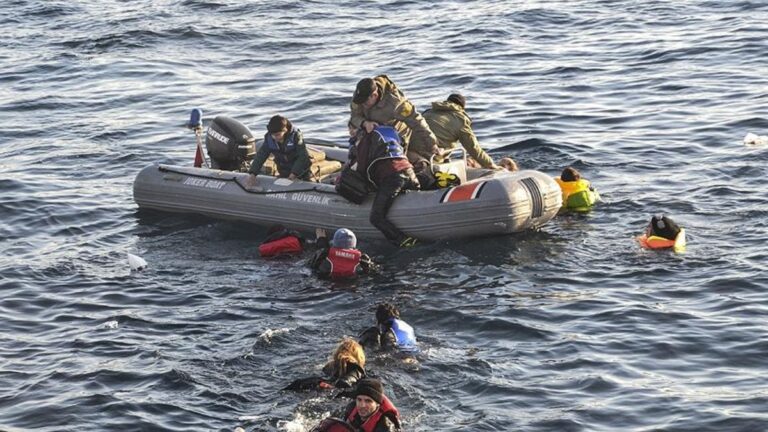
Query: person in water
(508, 164)
(450, 123)
(280, 242)
(390, 331)
(372, 411)
(340, 259)
(379, 156)
(286, 143)
(663, 233)
(578, 193)
(342, 371)
(377, 102)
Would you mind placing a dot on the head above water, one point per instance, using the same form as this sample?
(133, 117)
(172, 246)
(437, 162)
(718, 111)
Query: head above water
(385, 312)
(662, 226)
(458, 99)
(370, 387)
(344, 239)
(348, 351)
(570, 174)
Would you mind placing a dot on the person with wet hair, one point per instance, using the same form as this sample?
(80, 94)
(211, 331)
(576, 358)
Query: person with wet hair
(340, 258)
(451, 124)
(508, 164)
(390, 331)
(342, 371)
(286, 143)
(578, 193)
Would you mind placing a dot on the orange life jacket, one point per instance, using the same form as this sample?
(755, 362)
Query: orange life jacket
(288, 245)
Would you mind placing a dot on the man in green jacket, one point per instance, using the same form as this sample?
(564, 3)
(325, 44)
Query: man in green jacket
(377, 102)
(450, 123)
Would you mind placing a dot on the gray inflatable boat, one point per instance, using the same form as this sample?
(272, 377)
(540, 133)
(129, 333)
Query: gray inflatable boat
(498, 203)
(485, 203)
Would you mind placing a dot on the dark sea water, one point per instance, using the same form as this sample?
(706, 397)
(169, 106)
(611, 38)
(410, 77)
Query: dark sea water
(572, 328)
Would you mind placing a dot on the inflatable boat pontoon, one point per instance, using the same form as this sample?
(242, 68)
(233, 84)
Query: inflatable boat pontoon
(488, 203)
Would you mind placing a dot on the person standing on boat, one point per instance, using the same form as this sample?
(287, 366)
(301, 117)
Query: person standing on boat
(286, 143)
(450, 123)
(377, 102)
(340, 259)
(379, 156)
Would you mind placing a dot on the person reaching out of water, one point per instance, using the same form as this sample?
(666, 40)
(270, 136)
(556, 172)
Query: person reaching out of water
(340, 259)
(344, 369)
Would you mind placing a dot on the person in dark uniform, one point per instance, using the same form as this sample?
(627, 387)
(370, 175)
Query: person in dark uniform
(340, 259)
(286, 143)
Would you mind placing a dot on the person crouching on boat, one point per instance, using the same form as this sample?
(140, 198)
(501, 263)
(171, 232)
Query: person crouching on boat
(340, 259)
(286, 144)
(372, 411)
(344, 369)
(379, 156)
(280, 242)
(578, 194)
(390, 331)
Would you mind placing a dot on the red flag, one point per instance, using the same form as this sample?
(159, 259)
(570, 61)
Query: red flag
(198, 157)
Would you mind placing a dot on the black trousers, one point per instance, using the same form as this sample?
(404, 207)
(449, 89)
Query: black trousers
(387, 191)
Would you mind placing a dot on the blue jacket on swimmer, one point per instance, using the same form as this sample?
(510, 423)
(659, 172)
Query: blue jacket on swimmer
(391, 332)
(406, 337)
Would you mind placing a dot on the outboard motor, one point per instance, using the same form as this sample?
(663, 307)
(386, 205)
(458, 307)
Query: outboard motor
(230, 144)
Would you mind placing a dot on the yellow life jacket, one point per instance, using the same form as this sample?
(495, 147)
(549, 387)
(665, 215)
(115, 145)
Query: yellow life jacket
(577, 195)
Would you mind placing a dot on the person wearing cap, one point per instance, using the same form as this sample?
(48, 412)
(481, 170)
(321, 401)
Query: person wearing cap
(340, 259)
(377, 101)
(390, 331)
(286, 143)
(372, 411)
(450, 123)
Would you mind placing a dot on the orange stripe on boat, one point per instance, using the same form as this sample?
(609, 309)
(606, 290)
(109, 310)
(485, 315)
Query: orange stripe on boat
(463, 192)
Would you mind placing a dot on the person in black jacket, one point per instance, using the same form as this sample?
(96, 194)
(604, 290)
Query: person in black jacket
(345, 367)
